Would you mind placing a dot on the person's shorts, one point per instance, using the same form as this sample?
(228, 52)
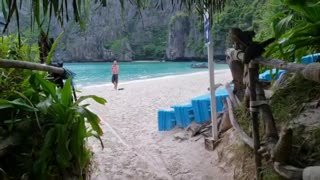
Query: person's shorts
(114, 78)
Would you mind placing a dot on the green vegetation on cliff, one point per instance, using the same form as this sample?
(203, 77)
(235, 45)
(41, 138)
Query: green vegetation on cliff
(152, 47)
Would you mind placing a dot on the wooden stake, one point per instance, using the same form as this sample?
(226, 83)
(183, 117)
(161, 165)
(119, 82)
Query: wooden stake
(253, 79)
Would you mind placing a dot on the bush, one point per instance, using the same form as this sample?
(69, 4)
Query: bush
(42, 130)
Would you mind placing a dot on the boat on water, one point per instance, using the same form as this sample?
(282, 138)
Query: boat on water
(199, 65)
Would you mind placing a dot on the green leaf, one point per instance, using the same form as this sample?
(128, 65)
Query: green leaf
(58, 113)
(48, 87)
(36, 11)
(104, 3)
(21, 104)
(53, 48)
(92, 118)
(98, 99)
(66, 94)
(63, 154)
(283, 25)
(4, 10)
(78, 134)
(46, 156)
(4, 104)
(17, 103)
(12, 9)
(55, 7)
(45, 6)
(44, 104)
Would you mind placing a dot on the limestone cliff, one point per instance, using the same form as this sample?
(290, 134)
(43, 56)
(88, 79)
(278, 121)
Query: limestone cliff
(131, 35)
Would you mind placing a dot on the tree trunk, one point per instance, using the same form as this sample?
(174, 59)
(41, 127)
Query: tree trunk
(236, 68)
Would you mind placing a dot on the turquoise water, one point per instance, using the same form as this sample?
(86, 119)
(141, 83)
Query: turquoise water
(100, 73)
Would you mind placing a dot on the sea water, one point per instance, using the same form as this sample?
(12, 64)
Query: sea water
(100, 73)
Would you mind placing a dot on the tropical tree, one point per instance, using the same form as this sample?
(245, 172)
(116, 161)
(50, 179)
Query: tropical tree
(297, 31)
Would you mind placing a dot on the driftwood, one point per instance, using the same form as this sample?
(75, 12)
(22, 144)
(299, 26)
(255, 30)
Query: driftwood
(234, 99)
(225, 123)
(205, 128)
(199, 129)
(4, 63)
(248, 140)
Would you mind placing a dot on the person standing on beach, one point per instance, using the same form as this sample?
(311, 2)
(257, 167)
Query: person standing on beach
(115, 72)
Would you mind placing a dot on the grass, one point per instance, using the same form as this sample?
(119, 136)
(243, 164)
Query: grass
(288, 102)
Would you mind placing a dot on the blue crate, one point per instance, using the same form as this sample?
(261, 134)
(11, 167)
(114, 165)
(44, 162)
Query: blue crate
(184, 114)
(201, 105)
(166, 119)
(310, 58)
(266, 75)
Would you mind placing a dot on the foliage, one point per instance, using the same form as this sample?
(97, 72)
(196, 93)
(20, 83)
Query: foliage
(179, 15)
(10, 49)
(44, 10)
(155, 47)
(297, 31)
(241, 14)
(53, 48)
(42, 131)
(118, 45)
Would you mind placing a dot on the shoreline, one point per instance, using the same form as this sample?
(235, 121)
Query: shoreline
(217, 61)
(151, 79)
(134, 148)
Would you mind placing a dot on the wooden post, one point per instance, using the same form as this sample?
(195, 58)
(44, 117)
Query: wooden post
(212, 93)
(253, 79)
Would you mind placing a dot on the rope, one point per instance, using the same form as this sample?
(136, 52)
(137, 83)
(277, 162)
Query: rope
(312, 72)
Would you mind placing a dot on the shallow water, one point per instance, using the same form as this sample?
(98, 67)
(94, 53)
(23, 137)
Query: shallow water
(100, 73)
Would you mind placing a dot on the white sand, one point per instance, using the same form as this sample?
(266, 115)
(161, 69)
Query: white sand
(134, 148)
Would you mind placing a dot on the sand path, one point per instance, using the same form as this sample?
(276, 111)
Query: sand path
(134, 148)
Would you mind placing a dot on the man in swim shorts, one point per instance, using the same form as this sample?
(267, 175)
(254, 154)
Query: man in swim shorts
(115, 72)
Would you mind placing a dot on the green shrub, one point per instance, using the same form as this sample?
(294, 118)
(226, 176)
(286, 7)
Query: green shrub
(43, 131)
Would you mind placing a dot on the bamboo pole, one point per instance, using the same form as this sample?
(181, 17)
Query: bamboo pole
(5, 63)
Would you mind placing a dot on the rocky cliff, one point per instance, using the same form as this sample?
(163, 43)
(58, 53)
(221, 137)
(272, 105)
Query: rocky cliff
(127, 35)
(185, 40)
(150, 34)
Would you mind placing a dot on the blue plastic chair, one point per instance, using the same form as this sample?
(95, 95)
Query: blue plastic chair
(266, 75)
(201, 105)
(310, 58)
(184, 115)
(166, 119)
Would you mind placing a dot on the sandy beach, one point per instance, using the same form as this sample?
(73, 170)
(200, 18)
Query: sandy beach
(134, 148)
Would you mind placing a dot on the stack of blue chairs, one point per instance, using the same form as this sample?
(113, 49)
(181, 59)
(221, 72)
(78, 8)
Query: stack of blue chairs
(184, 114)
(267, 76)
(201, 105)
(201, 108)
(166, 120)
(310, 58)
